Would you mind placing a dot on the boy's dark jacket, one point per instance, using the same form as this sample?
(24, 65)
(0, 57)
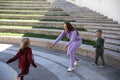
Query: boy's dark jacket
(99, 45)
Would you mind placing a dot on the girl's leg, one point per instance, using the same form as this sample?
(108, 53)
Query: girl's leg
(23, 73)
(16, 77)
(70, 52)
(22, 78)
(76, 58)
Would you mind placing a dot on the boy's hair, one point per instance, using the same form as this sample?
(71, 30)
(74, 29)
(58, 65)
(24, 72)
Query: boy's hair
(99, 30)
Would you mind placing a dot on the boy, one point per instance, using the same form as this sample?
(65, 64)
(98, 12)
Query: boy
(99, 48)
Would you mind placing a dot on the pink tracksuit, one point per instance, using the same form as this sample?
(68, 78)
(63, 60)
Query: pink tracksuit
(73, 44)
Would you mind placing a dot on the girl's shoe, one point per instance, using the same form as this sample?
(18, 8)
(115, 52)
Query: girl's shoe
(70, 69)
(76, 63)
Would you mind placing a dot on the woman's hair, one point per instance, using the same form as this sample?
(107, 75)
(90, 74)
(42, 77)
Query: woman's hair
(70, 27)
(24, 43)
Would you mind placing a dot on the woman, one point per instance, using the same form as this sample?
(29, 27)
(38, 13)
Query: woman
(72, 45)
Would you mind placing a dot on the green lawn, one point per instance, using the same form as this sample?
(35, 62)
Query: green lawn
(88, 42)
(57, 20)
(43, 27)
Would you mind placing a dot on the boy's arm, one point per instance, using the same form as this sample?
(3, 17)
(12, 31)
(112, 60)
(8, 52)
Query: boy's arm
(14, 58)
(99, 43)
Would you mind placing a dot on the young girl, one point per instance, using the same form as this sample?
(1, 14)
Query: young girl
(25, 58)
(72, 45)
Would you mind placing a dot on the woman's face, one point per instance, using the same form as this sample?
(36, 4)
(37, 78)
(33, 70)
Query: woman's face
(65, 27)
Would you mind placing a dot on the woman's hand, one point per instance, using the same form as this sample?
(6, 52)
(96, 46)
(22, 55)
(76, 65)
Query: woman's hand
(65, 48)
(51, 46)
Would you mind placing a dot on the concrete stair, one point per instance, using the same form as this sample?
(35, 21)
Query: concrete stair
(114, 39)
(45, 60)
(41, 13)
(23, 2)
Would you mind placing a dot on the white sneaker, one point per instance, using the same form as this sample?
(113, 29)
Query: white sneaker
(102, 66)
(70, 69)
(76, 63)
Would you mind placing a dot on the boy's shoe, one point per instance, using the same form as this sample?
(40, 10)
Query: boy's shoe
(76, 63)
(102, 66)
(94, 63)
(70, 69)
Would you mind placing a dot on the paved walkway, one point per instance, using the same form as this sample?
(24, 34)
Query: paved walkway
(52, 65)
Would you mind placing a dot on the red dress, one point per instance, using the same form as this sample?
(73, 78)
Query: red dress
(25, 59)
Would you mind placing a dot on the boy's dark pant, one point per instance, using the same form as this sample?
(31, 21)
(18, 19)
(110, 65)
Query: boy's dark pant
(97, 57)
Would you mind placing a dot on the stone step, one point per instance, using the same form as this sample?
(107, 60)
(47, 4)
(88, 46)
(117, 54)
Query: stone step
(29, 8)
(78, 13)
(23, 2)
(46, 60)
(51, 23)
(25, 5)
(90, 16)
(6, 69)
(106, 30)
(115, 32)
(64, 63)
(110, 54)
(70, 9)
(34, 17)
(55, 70)
(84, 50)
(56, 17)
(103, 28)
(57, 12)
(31, 12)
(111, 41)
(52, 12)
(113, 47)
(97, 21)
(43, 65)
(85, 35)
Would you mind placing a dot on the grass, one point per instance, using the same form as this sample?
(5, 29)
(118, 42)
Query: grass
(88, 42)
(26, 10)
(21, 15)
(57, 20)
(43, 27)
(20, 20)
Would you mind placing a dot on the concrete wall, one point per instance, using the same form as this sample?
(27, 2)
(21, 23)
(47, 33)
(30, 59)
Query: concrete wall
(110, 8)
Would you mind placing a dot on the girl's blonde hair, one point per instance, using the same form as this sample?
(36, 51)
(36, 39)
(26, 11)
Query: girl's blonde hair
(25, 42)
